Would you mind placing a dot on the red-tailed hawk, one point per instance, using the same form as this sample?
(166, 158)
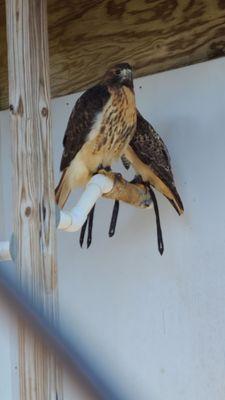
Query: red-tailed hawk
(99, 129)
(150, 158)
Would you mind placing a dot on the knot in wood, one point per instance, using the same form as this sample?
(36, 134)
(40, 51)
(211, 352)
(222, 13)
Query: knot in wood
(11, 108)
(28, 211)
(44, 112)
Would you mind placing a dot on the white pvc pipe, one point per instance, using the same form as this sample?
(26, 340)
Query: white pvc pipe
(4, 251)
(72, 221)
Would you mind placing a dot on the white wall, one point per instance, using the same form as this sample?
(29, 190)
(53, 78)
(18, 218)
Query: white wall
(156, 324)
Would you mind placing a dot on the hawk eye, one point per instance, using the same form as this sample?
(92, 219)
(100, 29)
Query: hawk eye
(117, 72)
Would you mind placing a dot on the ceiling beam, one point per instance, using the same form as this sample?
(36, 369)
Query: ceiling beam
(85, 37)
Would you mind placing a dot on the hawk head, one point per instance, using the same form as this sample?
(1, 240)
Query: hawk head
(119, 75)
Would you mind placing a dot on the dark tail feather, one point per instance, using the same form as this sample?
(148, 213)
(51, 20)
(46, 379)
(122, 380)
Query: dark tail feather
(177, 204)
(158, 225)
(114, 217)
(176, 201)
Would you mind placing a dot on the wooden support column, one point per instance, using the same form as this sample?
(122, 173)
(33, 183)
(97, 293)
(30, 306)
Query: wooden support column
(34, 207)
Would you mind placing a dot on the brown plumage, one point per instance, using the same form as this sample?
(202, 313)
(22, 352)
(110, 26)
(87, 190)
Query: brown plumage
(99, 129)
(150, 158)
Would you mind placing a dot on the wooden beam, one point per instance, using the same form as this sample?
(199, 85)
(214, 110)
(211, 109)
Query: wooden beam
(85, 37)
(34, 221)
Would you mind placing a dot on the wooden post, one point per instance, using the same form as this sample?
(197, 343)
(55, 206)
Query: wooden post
(34, 207)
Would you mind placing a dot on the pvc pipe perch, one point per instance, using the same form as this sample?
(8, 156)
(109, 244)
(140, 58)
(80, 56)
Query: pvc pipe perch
(72, 221)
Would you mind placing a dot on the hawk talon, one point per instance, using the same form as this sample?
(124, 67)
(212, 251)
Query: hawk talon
(118, 176)
(147, 203)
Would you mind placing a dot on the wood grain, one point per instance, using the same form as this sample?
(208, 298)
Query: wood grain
(34, 208)
(135, 194)
(85, 37)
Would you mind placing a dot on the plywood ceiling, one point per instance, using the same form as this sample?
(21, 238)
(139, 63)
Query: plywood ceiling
(85, 37)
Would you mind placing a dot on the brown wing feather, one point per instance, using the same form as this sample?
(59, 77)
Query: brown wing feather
(152, 151)
(81, 120)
